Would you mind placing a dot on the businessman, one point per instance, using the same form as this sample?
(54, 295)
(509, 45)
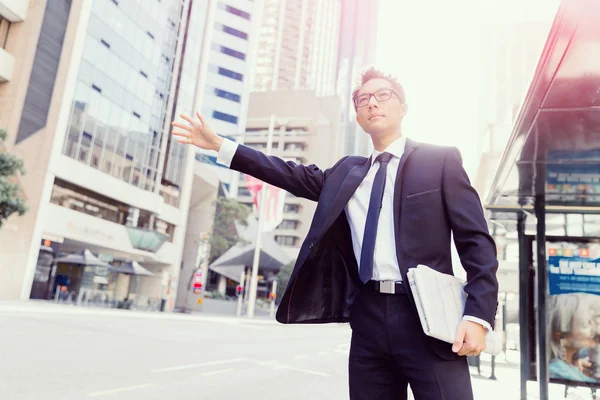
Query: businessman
(376, 218)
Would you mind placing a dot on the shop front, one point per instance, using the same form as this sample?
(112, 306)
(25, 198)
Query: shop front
(86, 260)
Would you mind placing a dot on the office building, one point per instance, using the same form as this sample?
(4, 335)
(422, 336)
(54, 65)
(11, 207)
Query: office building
(232, 36)
(88, 108)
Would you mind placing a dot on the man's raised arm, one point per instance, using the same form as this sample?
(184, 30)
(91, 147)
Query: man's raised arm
(300, 180)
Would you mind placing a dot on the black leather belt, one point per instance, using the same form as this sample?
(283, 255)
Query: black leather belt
(387, 287)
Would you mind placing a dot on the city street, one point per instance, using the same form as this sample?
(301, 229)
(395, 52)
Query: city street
(57, 352)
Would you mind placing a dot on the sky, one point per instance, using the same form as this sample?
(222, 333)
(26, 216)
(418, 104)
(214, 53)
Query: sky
(431, 47)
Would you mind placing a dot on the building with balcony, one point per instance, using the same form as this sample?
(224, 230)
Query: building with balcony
(12, 14)
(88, 108)
(298, 46)
(307, 131)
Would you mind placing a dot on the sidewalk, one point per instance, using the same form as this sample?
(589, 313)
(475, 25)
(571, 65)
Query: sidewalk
(48, 307)
(507, 384)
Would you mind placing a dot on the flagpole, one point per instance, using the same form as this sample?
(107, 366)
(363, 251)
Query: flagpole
(261, 217)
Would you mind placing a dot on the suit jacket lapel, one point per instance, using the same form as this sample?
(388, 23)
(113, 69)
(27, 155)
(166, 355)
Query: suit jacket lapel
(347, 188)
(408, 149)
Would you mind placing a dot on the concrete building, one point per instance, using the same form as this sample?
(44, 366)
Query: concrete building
(228, 39)
(298, 46)
(307, 131)
(88, 105)
(358, 36)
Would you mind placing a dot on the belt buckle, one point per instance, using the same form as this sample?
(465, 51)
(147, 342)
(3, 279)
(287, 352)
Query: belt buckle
(387, 287)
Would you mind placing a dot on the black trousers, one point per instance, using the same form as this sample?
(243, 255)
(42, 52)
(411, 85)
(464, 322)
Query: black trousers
(389, 351)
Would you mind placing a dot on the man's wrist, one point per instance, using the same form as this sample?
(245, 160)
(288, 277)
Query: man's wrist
(217, 143)
(486, 326)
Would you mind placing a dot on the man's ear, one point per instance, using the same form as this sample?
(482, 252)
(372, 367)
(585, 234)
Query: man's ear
(404, 109)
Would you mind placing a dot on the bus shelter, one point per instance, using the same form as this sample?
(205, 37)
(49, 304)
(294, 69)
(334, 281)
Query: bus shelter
(546, 196)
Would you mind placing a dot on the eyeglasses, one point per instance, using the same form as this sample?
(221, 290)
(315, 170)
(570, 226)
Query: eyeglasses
(381, 95)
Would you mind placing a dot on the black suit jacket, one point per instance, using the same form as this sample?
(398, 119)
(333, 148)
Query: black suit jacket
(433, 197)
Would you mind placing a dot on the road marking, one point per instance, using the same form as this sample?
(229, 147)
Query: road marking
(306, 371)
(300, 357)
(119, 390)
(221, 371)
(200, 365)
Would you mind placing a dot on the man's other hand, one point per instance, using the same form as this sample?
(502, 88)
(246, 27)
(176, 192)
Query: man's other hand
(470, 339)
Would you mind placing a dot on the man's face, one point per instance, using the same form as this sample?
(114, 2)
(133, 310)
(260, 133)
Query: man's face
(379, 117)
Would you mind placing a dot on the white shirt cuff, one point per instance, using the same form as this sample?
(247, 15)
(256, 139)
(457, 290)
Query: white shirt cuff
(479, 321)
(226, 153)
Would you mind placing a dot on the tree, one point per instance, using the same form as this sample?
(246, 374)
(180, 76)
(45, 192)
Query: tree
(283, 277)
(229, 211)
(10, 167)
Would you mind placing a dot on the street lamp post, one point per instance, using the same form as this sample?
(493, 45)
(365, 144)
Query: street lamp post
(261, 213)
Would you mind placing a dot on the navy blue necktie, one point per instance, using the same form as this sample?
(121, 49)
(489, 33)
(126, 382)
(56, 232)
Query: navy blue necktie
(368, 245)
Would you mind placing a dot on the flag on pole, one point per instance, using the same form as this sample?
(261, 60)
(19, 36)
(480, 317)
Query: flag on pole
(275, 202)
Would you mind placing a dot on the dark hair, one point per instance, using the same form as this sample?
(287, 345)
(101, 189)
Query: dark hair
(374, 73)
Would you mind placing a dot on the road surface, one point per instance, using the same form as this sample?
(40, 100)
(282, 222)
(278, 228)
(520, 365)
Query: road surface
(60, 352)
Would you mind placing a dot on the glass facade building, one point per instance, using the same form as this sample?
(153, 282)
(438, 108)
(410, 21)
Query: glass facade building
(118, 111)
(195, 20)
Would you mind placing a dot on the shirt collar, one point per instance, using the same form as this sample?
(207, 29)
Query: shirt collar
(396, 148)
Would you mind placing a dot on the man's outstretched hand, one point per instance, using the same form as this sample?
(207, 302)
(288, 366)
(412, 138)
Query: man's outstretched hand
(470, 339)
(196, 132)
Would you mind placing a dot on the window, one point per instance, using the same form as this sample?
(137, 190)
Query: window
(288, 224)
(225, 117)
(294, 147)
(291, 208)
(286, 240)
(165, 228)
(4, 28)
(76, 198)
(231, 74)
(232, 53)
(227, 95)
(243, 191)
(235, 32)
(234, 11)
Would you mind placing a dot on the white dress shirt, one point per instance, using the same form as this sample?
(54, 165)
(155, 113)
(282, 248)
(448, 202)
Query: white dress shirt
(385, 263)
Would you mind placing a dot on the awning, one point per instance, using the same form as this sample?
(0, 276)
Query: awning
(233, 272)
(83, 258)
(272, 256)
(131, 268)
(146, 239)
(554, 148)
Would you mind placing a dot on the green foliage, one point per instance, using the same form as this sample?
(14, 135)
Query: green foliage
(229, 211)
(283, 277)
(10, 167)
